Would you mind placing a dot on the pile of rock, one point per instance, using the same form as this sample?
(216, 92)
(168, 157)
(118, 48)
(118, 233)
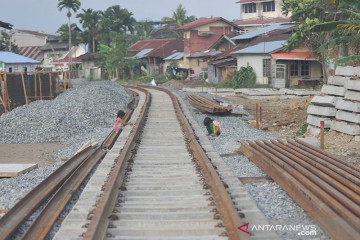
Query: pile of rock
(339, 106)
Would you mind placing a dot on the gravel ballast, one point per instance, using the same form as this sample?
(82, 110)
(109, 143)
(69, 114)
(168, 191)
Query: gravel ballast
(83, 113)
(87, 112)
(276, 205)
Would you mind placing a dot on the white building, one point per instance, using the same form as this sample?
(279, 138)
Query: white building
(12, 62)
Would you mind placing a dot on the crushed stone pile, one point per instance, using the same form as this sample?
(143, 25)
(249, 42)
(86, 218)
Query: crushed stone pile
(83, 113)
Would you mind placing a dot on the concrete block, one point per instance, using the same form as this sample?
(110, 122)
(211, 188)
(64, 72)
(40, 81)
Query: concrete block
(324, 101)
(357, 138)
(315, 121)
(353, 84)
(348, 116)
(348, 105)
(301, 92)
(337, 80)
(321, 111)
(352, 95)
(313, 131)
(311, 140)
(345, 127)
(347, 71)
(333, 90)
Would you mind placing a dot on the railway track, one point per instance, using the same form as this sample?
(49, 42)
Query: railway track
(168, 187)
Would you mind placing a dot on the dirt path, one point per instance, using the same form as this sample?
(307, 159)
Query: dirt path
(39, 153)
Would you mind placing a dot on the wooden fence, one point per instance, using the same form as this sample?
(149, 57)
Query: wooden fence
(17, 89)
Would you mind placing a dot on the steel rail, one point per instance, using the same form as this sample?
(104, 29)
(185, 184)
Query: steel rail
(12, 220)
(224, 204)
(130, 106)
(206, 104)
(49, 214)
(327, 196)
(99, 221)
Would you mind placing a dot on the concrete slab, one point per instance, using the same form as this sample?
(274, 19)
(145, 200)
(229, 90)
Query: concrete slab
(348, 128)
(311, 140)
(352, 95)
(315, 121)
(347, 71)
(321, 111)
(325, 101)
(300, 92)
(313, 131)
(357, 138)
(348, 106)
(353, 85)
(14, 170)
(348, 116)
(338, 80)
(333, 90)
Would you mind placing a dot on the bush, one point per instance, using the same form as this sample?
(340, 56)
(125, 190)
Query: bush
(245, 77)
(302, 129)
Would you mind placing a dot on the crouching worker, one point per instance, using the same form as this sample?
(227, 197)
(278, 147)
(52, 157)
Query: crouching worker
(120, 121)
(213, 127)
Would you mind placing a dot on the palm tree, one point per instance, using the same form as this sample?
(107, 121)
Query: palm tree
(73, 5)
(90, 21)
(179, 17)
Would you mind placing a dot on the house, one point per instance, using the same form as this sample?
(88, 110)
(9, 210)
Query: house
(56, 54)
(199, 36)
(12, 62)
(150, 53)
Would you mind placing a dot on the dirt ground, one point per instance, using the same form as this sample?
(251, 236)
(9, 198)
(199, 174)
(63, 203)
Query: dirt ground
(39, 153)
(283, 118)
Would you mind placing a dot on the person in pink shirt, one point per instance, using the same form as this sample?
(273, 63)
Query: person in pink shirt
(120, 121)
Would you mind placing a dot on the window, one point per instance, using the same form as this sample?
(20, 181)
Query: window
(269, 6)
(299, 68)
(15, 68)
(250, 8)
(304, 68)
(266, 67)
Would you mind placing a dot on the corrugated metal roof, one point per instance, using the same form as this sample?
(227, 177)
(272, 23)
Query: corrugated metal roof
(143, 53)
(262, 21)
(32, 52)
(9, 57)
(270, 28)
(260, 48)
(175, 56)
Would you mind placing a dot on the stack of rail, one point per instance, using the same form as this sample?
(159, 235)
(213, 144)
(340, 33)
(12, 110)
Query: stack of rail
(205, 104)
(324, 185)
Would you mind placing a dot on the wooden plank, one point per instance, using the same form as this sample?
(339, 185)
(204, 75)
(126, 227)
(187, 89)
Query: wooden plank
(6, 99)
(14, 170)
(3, 92)
(35, 85)
(24, 87)
(50, 83)
(40, 87)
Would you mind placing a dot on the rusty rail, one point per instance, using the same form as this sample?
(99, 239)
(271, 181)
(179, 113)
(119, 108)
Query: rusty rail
(65, 180)
(99, 221)
(224, 204)
(326, 187)
(206, 104)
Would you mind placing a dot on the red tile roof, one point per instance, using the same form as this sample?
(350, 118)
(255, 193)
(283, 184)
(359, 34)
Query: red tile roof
(259, 21)
(147, 44)
(294, 56)
(203, 21)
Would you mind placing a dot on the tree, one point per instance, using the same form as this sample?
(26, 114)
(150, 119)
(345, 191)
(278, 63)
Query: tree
(179, 17)
(73, 5)
(308, 14)
(245, 77)
(345, 31)
(115, 20)
(90, 21)
(144, 30)
(76, 37)
(114, 59)
(6, 44)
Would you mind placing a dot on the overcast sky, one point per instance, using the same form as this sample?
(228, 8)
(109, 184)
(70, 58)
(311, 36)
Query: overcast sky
(43, 15)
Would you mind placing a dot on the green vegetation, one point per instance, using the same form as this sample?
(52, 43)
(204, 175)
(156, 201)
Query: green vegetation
(302, 129)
